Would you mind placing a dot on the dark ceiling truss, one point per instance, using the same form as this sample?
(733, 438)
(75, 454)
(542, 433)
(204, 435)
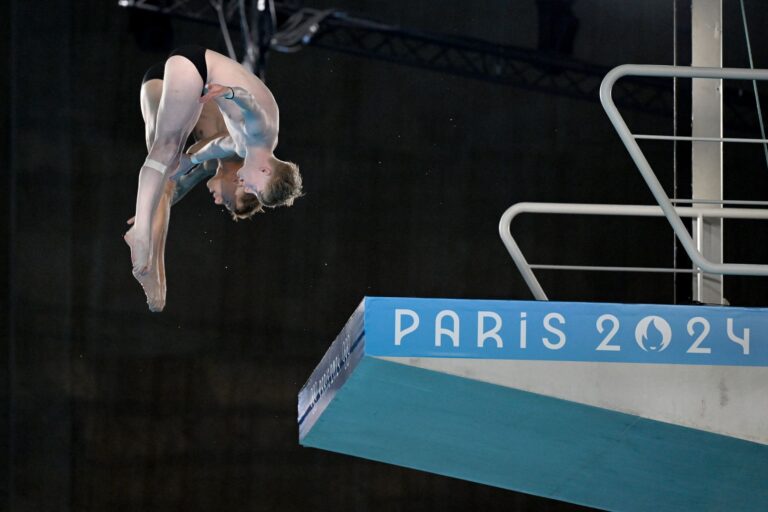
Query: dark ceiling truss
(481, 60)
(468, 57)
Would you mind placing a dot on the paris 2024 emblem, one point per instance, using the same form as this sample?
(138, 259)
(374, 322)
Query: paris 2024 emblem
(653, 334)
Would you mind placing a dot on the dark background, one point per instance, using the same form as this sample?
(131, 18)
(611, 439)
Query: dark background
(406, 172)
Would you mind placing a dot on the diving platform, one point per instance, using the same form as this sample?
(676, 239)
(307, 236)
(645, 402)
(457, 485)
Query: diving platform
(615, 406)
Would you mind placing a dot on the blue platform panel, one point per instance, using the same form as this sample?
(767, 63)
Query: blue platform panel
(566, 331)
(358, 404)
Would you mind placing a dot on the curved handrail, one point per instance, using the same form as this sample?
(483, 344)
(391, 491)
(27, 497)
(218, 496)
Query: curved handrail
(606, 88)
(617, 210)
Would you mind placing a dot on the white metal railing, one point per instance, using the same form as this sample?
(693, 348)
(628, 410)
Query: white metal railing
(665, 206)
(526, 269)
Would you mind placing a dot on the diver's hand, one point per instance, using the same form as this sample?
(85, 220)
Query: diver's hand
(217, 91)
(184, 167)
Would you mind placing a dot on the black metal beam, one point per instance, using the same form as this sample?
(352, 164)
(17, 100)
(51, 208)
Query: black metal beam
(468, 57)
(477, 59)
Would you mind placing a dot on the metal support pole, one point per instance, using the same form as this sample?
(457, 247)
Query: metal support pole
(707, 156)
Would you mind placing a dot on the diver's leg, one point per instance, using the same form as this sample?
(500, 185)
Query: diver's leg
(149, 99)
(153, 281)
(178, 112)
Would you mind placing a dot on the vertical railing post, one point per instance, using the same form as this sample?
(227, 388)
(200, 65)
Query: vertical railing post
(707, 157)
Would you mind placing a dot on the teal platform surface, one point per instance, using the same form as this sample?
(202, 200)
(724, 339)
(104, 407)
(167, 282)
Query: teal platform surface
(368, 398)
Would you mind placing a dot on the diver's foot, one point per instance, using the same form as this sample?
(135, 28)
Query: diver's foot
(155, 292)
(148, 276)
(139, 252)
(160, 278)
(158, 272)
(154, 287)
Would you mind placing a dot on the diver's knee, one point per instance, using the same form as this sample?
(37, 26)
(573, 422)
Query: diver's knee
(155, 165)
(164, 149)
(159, 158)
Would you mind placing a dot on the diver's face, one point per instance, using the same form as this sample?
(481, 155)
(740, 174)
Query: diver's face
(254, 178)
(225, 189)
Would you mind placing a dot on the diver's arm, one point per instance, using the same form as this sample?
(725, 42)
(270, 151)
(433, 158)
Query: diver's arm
(255, 117)
(220, 147)
(189, 181)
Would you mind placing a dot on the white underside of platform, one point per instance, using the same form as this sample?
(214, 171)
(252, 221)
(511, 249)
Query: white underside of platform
(726, 400)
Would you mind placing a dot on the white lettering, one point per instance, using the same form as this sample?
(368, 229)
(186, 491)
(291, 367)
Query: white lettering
(399, 332)
(440, 330)
(605, 344)
(695, 348)
(523, 330)
(743, 341)
(482, 334)
(560, 334)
